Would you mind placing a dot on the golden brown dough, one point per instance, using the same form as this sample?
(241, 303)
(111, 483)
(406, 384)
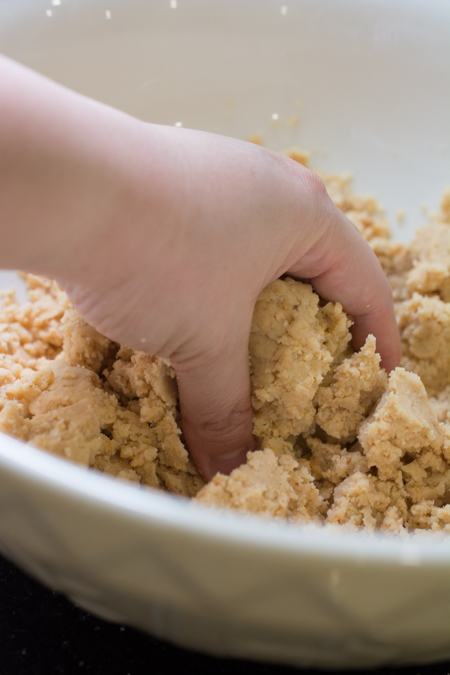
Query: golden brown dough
(292, 344)
(430, 254)
(88, 400)
(268, 485)
(424, 323)
(337, 442)
(403, 422)
(356, 385)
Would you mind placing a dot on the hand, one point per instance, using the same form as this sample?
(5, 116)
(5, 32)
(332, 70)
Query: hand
(164, 238)
(205, 224)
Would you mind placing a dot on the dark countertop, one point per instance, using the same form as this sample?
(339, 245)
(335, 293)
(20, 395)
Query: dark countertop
(42, 633)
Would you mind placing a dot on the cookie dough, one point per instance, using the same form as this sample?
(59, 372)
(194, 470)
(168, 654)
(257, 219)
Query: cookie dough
(337, 441)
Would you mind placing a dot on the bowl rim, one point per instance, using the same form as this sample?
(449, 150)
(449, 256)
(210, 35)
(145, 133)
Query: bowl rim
(159, 509)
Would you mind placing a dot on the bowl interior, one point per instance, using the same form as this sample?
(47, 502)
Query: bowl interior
(364, 86)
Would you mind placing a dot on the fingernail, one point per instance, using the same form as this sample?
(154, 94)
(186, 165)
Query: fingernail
(227, 462)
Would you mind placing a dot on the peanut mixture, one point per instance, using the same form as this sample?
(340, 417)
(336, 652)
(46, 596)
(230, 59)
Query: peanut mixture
(337, 441)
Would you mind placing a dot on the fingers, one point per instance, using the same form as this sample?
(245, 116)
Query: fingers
(216, 408)
(344, 268)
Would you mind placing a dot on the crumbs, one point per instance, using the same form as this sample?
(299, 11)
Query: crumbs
(337, 441)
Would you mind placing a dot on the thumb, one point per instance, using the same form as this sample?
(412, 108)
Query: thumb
(216, 408)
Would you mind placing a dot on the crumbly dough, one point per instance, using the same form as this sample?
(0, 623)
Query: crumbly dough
(337, 442)
(356, 385)
(293, 342)
(71, 391)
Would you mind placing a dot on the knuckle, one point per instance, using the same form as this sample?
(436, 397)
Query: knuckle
(314, 183)
(311, 181)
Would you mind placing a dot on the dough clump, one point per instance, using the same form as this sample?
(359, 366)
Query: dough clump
(337, 441)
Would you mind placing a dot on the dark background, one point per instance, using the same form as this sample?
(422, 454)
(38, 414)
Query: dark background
(42, 633)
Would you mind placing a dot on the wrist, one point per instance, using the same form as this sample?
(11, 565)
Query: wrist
(61, 173)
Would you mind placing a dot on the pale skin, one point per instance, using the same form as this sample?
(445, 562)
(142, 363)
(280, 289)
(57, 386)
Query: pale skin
(164, 237)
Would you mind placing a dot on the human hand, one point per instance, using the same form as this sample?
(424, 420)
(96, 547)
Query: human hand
(170, 236)
(207, 222)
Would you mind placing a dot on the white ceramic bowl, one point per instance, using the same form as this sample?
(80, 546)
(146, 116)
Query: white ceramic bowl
(372, 79)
